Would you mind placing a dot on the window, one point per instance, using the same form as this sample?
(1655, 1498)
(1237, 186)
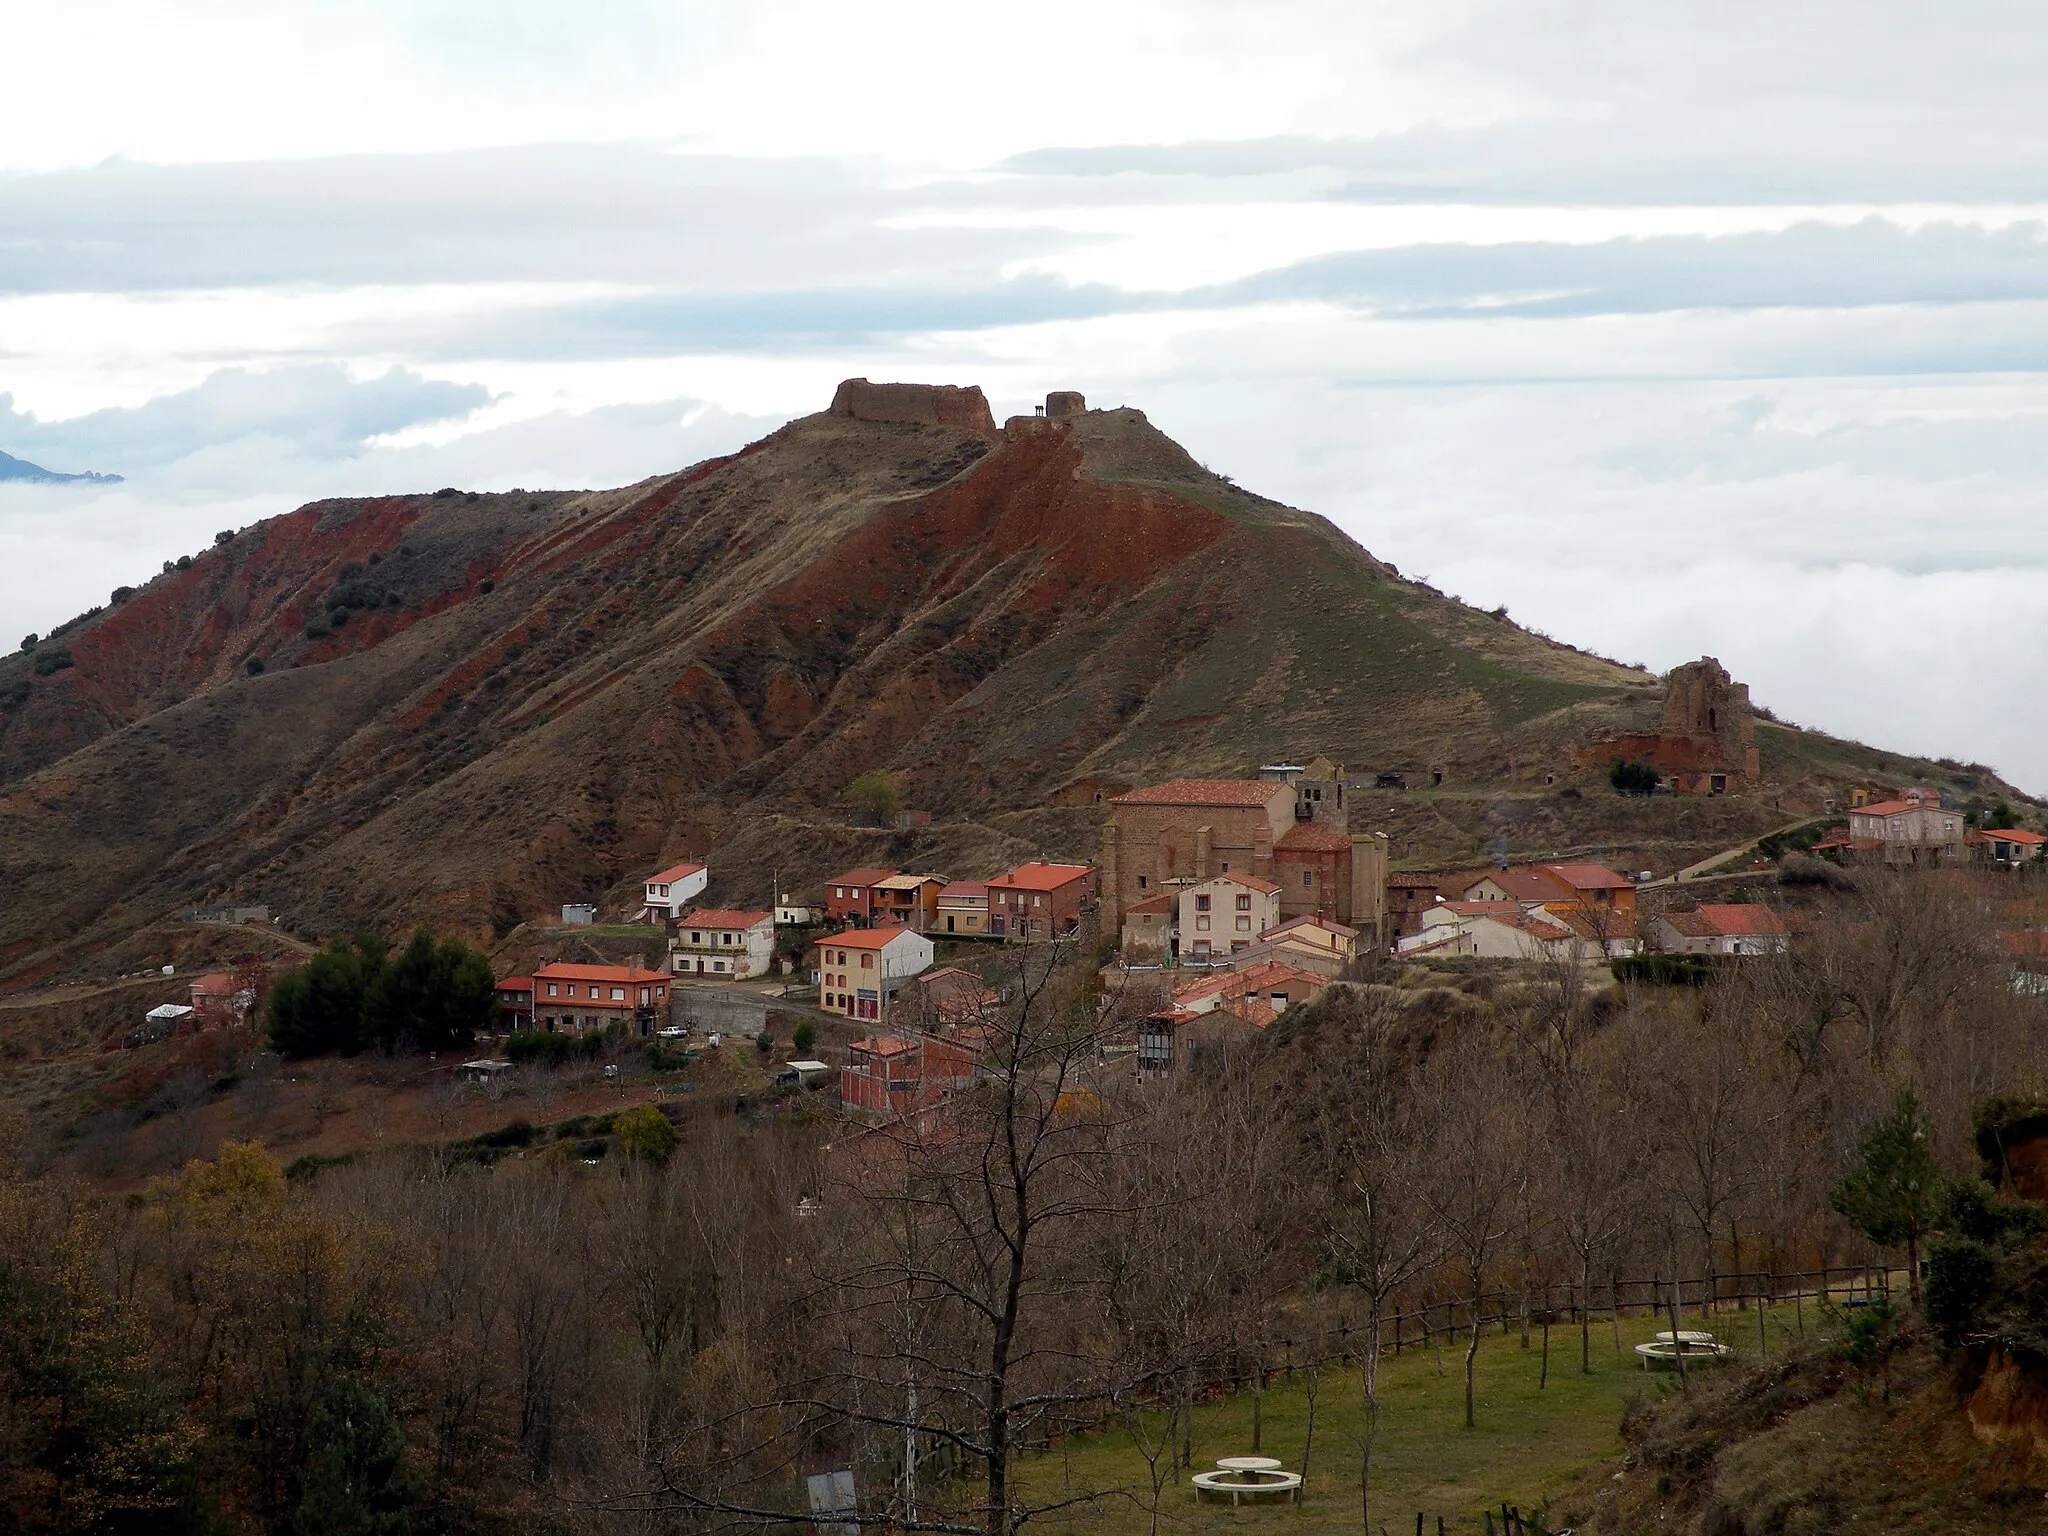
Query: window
(1226, 869)
(718, 965)
(551, 989)
(1144, 882)
(1308, 878)
(730, 938)
(867, 962)
(1038, 901)
(1244, 903)
(1201, 925)
(696, 937)
(1244, 925)
(837, 893)
(643, 997)
(593, 992)
(1201, 946)
(618, 994)
(1201, 903)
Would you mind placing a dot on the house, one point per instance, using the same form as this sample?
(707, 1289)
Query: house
(670, 890)
(731, 945)
(222, 1001)
(515, 1004)
(579, 914)
(1039, 900)
(1148, 930)
(1585, 885)
(1723, 928)
(945, 999)
(1278, 984)
(1318, 788)
(1193, 829)
(1408, 897)
(1318, 936)
(902, 1074)
(908, 901)
(1913, 829)
(576, 999)
(861, 971)
(791, 913)
(1490, 929)
(1225, 913)
(1174, 1040)
(963, 908)
(1598, 930)
(850, 898)
(2008, 846)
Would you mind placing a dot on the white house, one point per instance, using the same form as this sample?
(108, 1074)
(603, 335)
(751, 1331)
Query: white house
(672, 890)
(1226, 913)
(734, 945)
(1739, 928)
(1493, 930)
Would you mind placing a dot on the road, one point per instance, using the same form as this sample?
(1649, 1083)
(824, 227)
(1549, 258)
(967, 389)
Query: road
(1713, 862)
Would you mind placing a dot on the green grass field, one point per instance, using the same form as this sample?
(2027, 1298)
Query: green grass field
(1528, 1444)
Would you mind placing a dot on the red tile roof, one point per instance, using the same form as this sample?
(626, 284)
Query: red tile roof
(1589, 877)
(724, 917)
(1591, 923)
(861, 877)
(2013, 835)
(1727, 920)
(1223, 792)
(618, 975)
(1038, 875)
(969, 890)
(883, 1045)
(1312, 837)
(674, 873)
(515, 983)
(213, 984)
(1887, 808)
(865, 938)
(1520, 884)
(1159, 904)
(1249, 882)
(1323, 923)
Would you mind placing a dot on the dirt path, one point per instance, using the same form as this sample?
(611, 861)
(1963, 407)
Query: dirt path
(76, 994)
(1714, 861)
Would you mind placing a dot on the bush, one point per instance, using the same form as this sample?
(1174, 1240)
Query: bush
(644, 1132)
(1632, 778)
(446, 492)
(1809, 870)
(184, 562)
(515, 1133)
(48, 662)
(254, 666)
(1971, 1209)
(121, 594)
(1959, 1274)
(225, 536)
(337, 617)
(28, 641)
(552, 1050)
(805, 1039)
(1663, 970)
(486, 585)
(876, 795)
(765, 1043)
(316, 629)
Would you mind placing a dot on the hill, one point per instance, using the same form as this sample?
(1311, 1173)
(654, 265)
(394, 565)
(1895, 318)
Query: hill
(12, 468)
(465, 708)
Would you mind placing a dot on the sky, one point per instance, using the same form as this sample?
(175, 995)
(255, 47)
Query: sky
(1679, 330)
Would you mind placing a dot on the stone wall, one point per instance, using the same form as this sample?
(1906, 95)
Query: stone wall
(924, 405)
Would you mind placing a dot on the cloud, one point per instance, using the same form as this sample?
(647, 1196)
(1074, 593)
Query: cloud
(314, 411)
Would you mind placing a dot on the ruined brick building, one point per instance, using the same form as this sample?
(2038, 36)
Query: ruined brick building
(1705, 742)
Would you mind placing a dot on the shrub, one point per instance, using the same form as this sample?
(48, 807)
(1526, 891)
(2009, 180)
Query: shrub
(316, 629)
(48, 662)
(121, 594)
(337, 617)
(14, 691)
(28, 641)
(184, 562)
(376, 556)
(1663, 970)
(446, 493)
(644, 1132)
(1870, 1332)
(551, 1049)
(486, 585)
(514, 1133)
(1971, 1209)
(254, 666)
(225, 536)
(805, 1039)
(1959, 1274)
(1632, 778)
(765, 1043)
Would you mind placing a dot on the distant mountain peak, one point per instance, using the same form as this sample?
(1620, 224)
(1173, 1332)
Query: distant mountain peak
(12, 468)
